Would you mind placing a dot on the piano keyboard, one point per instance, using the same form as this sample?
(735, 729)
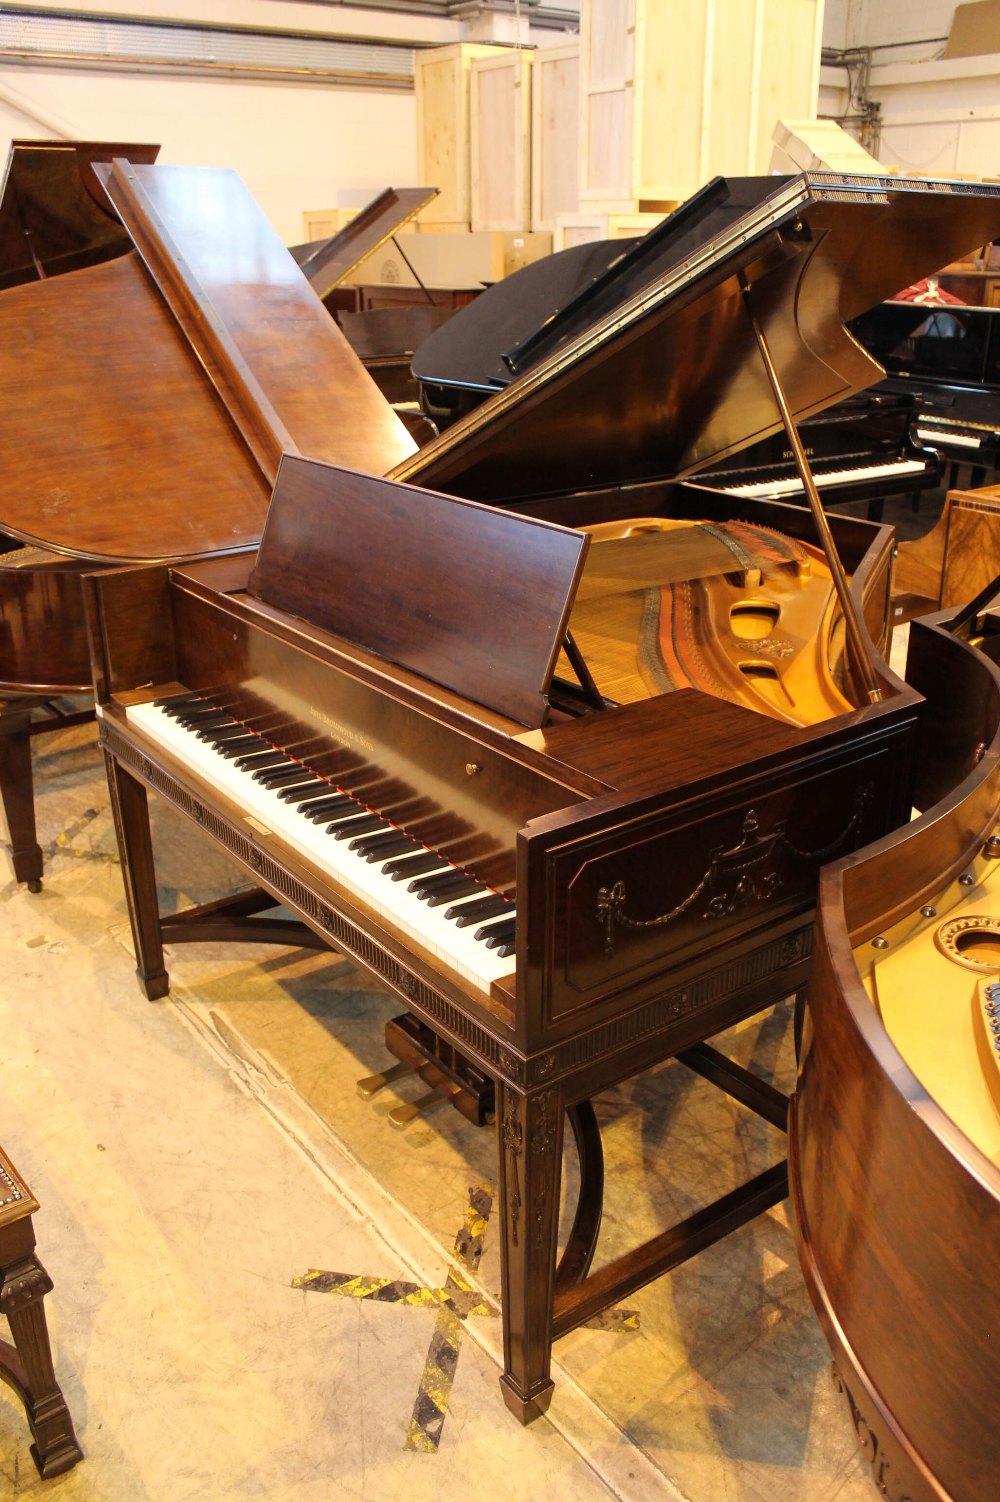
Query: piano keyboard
(947, 435)
(770, 488)
(417, 891)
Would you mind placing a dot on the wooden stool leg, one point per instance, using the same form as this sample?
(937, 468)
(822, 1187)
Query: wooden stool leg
(30, 1372)
(135, 847)
(17, 793)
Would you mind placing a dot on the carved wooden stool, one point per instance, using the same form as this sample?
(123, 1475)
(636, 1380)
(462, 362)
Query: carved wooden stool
(27, 1364)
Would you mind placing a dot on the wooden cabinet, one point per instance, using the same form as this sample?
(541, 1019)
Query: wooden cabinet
(500, 141)
(672, 95)
(441, 80)
(555, 153)
(584, 227)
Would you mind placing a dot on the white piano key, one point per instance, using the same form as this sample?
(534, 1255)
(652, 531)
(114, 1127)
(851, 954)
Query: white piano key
(944, 435)
(825, 480)
(400, 909)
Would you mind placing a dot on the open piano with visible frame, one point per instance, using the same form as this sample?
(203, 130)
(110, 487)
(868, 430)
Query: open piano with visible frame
(389, 683)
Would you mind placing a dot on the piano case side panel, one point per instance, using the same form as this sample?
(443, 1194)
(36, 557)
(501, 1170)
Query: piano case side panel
(130, 626)
(897, 1227)
(685, 913)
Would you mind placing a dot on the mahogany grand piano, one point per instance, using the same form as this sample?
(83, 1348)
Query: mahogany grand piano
(159, 351)
(894, 1132)
(396, 723)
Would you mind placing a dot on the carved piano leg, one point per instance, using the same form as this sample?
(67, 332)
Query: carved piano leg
(17, 793)
(529, 1144)
(131, 815)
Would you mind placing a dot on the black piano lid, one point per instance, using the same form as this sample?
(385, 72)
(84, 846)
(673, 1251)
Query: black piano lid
(325, 263)
(54, 214)
(521, 320)
(672, 380)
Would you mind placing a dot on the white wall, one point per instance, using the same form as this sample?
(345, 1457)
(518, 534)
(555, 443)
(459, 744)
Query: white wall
(298, 146)
(938, 116)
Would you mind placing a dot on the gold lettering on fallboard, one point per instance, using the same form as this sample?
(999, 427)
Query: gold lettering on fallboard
(345, 732)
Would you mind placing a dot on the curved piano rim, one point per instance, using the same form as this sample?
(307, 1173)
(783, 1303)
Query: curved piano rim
(903, 1314)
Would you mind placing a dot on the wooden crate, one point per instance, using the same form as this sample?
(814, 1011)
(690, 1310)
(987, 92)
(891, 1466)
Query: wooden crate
(449, 260)
(673, 95)
(441, 81)
(583, 227)
(320, 224)
(500, 141)
(555, 154)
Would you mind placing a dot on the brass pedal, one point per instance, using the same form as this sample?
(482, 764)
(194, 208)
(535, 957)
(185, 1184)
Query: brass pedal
(400, 1117)
(373, 1083)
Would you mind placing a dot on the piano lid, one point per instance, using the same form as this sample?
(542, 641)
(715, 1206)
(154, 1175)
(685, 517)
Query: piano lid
(54, 215)
(148, 400)
(528, 315)
(327, 262)
(672, 379)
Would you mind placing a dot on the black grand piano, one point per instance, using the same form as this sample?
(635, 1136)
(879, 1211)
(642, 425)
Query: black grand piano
(861, 450)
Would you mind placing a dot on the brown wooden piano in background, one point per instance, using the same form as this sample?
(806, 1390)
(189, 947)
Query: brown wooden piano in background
(411, 671)
(159, 351)
(894, 1133)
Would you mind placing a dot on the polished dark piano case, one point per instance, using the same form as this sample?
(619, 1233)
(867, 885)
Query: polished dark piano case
(156, 359)
(662, 855)
(894, 1132)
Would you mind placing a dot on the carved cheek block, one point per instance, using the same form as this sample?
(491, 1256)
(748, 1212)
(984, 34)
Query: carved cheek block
(691, 881)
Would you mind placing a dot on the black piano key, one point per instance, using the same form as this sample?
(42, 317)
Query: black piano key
(207, 730)
(445, 884)
(257, 761)
(304, 790)
(318, 811)
(506, 949)
(173, 701)
(281, 775)
(351, 812)
(223, 736)
(362, 842)
(191, 715)
(435, 899)
(239, 746)
(377, 846)
(345, 830)
(405, 866)
(475, 912)
(492, 934)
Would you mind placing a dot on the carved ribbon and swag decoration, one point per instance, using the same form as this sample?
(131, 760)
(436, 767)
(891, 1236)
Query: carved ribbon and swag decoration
(736, 877)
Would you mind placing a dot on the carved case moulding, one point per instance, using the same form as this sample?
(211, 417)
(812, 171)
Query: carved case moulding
(734, 877)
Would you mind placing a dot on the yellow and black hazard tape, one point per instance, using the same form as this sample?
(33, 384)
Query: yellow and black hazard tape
(63, 843)
(379, 1290)
(454, 1303)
